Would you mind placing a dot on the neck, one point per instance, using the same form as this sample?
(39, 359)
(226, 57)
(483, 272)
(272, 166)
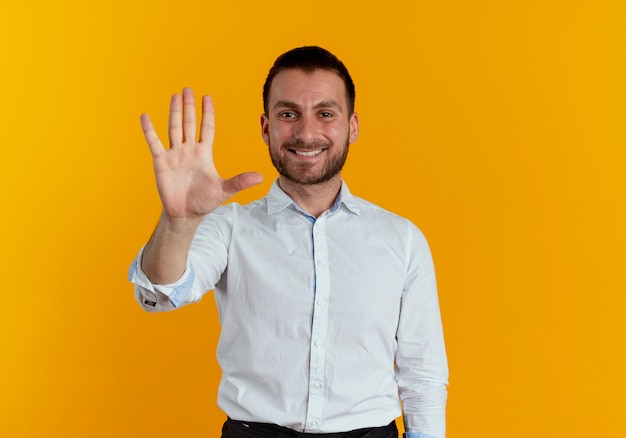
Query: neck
(315, 199)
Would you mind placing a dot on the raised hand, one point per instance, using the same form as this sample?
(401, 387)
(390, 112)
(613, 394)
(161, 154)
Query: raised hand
(188, 183)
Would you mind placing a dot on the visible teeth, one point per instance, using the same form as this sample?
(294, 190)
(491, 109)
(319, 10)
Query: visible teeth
(308, 153)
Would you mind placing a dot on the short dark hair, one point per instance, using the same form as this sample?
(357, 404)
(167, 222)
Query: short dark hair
(309, 59)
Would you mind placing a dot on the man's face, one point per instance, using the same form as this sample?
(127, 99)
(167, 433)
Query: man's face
(308, 128)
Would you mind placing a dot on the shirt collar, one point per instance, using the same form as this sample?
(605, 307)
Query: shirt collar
(278, 200)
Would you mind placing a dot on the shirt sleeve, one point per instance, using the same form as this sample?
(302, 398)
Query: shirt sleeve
(421, 362)
(206, 261)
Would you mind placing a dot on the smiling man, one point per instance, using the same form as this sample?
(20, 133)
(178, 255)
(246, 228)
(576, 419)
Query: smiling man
(328, 304)
(309, 127)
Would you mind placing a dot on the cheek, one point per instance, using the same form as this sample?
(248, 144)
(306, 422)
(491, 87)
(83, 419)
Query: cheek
(334, 132)
(340, 135)
(275, 138)
(278, 132)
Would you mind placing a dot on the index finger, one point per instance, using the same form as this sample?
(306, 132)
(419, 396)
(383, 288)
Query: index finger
(155, 145)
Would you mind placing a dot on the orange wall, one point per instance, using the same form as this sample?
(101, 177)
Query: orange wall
(497, 127)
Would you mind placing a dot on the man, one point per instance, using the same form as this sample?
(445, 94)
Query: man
(328, 303)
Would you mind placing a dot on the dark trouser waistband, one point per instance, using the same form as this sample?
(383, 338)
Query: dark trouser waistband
(247, 429)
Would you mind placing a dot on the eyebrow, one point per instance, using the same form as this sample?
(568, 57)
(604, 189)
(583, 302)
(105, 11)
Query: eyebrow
(323, 104)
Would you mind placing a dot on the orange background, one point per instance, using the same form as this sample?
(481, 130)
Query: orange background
(497, 127)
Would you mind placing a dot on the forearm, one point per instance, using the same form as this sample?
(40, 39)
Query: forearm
(421, 362)
(165, 255)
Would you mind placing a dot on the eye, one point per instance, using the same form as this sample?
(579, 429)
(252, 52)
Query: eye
(287, 115)
(326, 114)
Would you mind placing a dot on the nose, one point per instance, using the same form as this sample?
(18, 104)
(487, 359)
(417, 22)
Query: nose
(306, 130)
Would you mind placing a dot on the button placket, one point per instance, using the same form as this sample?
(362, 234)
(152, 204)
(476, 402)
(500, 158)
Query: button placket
(319, 327)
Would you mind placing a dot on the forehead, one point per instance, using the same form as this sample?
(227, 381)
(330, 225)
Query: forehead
(307, 88)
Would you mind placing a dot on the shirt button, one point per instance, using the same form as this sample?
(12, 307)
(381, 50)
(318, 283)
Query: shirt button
(320, 303)
(314, 423)
(316, 343)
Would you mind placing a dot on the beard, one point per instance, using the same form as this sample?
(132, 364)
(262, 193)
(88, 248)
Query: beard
(299, 172)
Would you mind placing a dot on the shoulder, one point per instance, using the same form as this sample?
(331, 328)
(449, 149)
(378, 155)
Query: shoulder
(224, 218)
(234, 209)
(373, 211)
(390, 223)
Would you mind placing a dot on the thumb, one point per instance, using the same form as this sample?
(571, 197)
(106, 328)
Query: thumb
(241, 182)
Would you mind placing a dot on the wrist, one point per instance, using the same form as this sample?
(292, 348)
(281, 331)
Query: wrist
(179, 225)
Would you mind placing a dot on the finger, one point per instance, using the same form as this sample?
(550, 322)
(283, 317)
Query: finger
(189, 115)
(155, 145)
(207, 125)
(175, 128)
(241, 182)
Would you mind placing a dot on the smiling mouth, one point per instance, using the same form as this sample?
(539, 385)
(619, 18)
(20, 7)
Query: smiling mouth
(307, 153)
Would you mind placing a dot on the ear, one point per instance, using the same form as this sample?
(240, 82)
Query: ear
(265, 129)
(354, 127)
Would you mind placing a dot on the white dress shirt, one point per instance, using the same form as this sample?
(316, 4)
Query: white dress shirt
(329, 324)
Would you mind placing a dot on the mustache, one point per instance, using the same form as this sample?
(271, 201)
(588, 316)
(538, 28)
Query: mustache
(302, 145)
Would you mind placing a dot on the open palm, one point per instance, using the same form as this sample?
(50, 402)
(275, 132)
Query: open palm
(187, 181)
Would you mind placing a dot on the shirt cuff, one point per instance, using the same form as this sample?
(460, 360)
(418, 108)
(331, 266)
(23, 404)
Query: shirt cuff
(417, 435)
(175, 292)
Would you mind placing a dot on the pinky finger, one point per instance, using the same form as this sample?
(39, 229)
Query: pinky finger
(155, 145)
